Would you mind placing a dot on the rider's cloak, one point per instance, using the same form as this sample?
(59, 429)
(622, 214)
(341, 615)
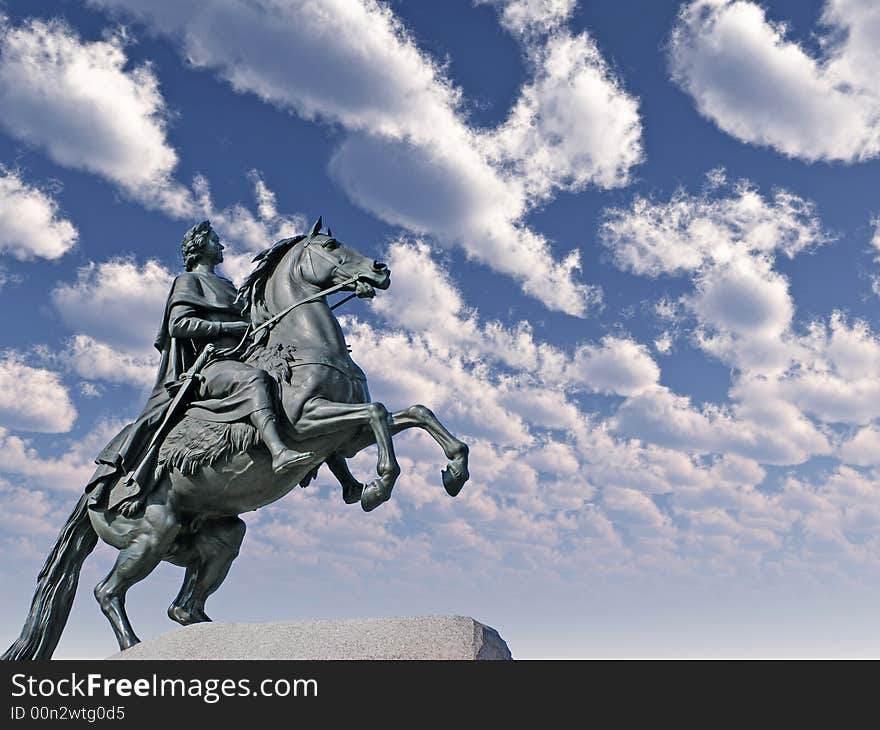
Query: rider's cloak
(206, 300)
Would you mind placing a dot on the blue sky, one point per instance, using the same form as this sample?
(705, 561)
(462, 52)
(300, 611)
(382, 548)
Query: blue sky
(635, 265)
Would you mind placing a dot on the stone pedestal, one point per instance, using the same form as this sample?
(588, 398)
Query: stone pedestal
(420, 637)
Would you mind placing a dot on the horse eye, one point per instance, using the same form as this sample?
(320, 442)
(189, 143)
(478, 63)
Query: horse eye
(331, 244)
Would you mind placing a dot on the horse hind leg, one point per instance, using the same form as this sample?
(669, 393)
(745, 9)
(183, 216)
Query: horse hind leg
(153, 535)
(207, 554)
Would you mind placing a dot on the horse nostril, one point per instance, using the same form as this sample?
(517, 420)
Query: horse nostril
(379, 266)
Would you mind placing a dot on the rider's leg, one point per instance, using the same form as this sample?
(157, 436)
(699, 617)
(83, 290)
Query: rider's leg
(282, 457)
(241, 389)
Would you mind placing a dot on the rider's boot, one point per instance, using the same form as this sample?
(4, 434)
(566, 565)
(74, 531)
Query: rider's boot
(283, 458)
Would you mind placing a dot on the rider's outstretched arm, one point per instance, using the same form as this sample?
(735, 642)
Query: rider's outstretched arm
(184, 323)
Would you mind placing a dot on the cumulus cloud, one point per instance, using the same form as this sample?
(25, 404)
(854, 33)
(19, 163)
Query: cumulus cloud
(688, 232)
(425, 300)
(32, 398)
(27, 513)
(747, 75)
(836, 378)
(96, 360)
(863, 449)
(663, 483)
(760, 425)
(80, 103)
(30, 224)
(114, 309)
(726, 239)
(525, 17)
(117, 301)
(570, 470)
(410, 156)
(67, 473)
(573, 124)
(83, 103)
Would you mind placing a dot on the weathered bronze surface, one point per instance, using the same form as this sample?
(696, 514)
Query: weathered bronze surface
(255, 391)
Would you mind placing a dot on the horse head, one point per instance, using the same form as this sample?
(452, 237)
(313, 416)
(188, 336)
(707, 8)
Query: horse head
(307, 265)
(325, 261)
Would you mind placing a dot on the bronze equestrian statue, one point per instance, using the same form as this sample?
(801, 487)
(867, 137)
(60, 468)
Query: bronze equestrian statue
(255, 391)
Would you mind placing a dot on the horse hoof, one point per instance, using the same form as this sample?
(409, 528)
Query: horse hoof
(373, 495)
(185, 618)
(352, 493)
(454, 479)
(128, 641)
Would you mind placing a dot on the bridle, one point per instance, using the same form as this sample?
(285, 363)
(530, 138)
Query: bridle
(269, 323)
(310, 250)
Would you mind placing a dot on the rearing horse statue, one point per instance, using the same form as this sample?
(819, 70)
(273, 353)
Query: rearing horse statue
(211, 473)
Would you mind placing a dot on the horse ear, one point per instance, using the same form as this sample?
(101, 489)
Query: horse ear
(316, 229)
(329, 232)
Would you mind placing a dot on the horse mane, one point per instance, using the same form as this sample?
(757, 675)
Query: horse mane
(253, 291)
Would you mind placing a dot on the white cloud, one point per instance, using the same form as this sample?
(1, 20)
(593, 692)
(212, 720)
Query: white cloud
(525, 17)
(424, 299)
(80, 102)
(836, 378)
(410, 157)
(572, 126)
(69, 473)
(117, 302)
(114, 308)
(747, 75)
(33, 399)
(726, 242)
(690, 231)
(863, 449)
(525, 430)
(619, 366)
(761, 426)
(27, 513)
(30, 224)
(95, 360)
(664, 484)
(551, 479)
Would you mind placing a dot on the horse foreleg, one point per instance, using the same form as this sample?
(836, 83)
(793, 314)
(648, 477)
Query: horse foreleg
(456, 472)
(320, 416)
(352, 489)
(418, 416)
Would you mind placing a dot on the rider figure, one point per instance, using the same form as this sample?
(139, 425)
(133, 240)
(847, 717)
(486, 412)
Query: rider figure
(229, 389)
(200, 309)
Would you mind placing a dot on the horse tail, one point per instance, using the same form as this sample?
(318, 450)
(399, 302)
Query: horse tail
(56, 587)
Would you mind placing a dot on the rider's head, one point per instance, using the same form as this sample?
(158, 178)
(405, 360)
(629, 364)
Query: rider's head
(195, 243)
